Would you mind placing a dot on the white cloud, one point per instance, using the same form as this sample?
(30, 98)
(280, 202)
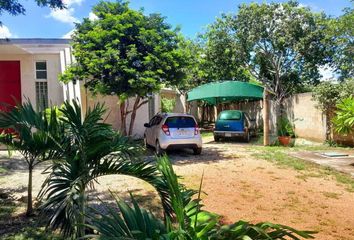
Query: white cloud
(92, 16)
(69, 3)
(66, 15)
(5, 32)
(328, 73)
(68, 34)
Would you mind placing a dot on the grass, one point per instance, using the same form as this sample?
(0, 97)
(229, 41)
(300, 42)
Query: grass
(18, 227)
(206, 134)
(279, 156)
(32, 233)
(331, 195)
(3, 170)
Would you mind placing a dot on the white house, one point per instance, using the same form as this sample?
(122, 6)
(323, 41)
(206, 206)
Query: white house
(29, 69)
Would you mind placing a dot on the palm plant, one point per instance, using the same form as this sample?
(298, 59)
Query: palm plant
(34, 134)
(190, 222)
(89, 149)
(344, 119)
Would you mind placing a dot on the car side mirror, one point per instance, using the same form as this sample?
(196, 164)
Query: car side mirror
(146, 125)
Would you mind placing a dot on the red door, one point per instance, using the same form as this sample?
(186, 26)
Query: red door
(10, 83)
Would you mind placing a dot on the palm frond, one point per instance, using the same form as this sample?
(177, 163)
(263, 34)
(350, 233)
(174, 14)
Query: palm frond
(131, 222)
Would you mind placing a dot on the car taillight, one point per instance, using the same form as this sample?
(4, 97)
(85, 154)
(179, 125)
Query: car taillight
(196, 129)
(165, 129)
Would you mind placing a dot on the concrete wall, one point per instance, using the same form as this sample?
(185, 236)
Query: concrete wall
(309, 121)
(112, 115)
(144, 113)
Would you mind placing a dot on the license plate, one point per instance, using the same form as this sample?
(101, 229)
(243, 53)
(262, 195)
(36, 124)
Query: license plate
(227, 134)
(182, 133)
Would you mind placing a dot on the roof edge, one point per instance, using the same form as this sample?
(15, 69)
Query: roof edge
(5, 41)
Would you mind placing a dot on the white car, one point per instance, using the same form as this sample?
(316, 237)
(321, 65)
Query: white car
(167, 131)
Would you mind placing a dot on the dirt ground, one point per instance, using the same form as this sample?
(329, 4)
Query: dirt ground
(237, 186)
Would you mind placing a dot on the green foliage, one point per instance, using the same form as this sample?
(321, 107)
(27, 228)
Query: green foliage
(190, 221)
(328, 94)
(89, 149)
(279, 44)
(344, 119)
(285, 127)
(132, 223)
(167, 104)
(34, 134)
(342, 32)
(125, 52)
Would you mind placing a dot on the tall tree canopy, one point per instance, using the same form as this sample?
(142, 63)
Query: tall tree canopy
(126, 53)
(341, 30)
(282, 45)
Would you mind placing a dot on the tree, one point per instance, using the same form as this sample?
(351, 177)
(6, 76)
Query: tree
(33, 134)
(89, 149)
(15, 8)
(341, 31)
(279, 44)
(128, 54)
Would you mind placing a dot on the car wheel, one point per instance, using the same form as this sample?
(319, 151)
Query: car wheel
(159, 151)
(197, 151)
(247, 137)
(216, 139)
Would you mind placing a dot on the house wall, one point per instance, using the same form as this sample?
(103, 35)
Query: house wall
(27, 66)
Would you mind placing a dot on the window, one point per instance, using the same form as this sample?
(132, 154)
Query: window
(230, 115)
(41, 70)
(41, 95)
(180, 122)
(41, 85)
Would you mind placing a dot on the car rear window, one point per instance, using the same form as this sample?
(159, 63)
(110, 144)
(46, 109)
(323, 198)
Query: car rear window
(180, 122)
(230, 115)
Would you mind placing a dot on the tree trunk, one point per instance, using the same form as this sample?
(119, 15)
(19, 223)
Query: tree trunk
(123, 118)
(329, 117)
(81, 220)
(133, 116)
(29, 211)
(265, 118)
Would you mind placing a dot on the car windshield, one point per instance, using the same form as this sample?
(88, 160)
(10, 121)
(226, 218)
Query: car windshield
(230, 115)
(180, 122)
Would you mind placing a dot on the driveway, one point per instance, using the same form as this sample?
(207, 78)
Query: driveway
(237, 185)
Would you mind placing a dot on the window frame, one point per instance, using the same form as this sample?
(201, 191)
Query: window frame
(40, 70)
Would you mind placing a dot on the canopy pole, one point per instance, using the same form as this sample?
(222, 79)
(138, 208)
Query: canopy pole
(265, 118)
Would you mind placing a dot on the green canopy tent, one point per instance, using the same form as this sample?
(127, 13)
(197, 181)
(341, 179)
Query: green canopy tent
(231, 91)
(226, 91)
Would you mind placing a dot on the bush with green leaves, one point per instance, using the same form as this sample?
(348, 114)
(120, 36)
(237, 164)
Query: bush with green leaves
(190, 221)
(285, 127)
(167, 104)
(344, 118)
(328, 95)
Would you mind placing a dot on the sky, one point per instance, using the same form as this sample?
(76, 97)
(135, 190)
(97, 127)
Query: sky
(191, 15)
